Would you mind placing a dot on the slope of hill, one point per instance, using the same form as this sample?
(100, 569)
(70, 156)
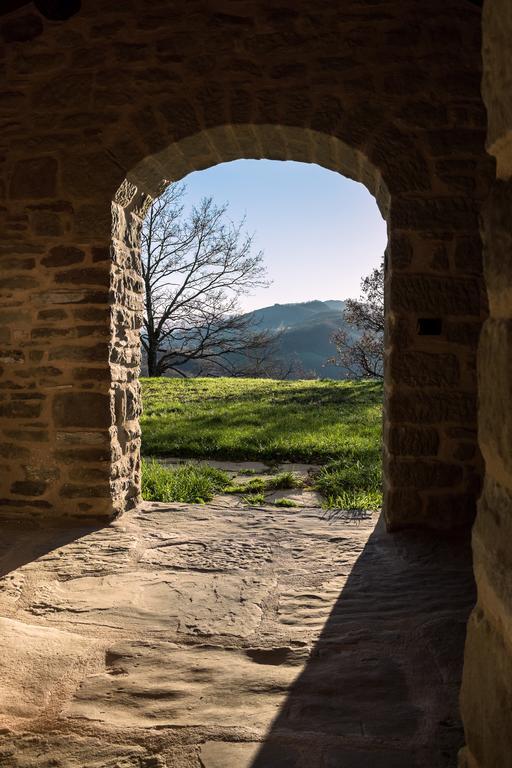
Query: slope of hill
(305, 330)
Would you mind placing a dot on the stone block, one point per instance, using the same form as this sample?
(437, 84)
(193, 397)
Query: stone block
(20, 409)
(85, 276)
(63, 256)
(431, 294)
(79, 454)
(84, 354)
(486, 696)
(29, 487)
(495, 377)
(498, 247)
(468, 256)
(21, 29)
(456, 214)
(46, 223)
(432, 409)
(422, 474)
(81, 410)
(34, 178)
(77, 491)
(411, 441)
(424, 368)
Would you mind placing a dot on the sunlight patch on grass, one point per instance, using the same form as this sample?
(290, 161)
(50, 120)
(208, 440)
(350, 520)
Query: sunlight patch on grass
(260, 419)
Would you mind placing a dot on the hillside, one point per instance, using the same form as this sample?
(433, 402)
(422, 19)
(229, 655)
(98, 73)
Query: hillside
(306, 329)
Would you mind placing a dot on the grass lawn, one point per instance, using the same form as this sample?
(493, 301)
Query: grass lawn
(336, 424)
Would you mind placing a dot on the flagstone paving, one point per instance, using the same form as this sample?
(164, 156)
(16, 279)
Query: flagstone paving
(222, 636)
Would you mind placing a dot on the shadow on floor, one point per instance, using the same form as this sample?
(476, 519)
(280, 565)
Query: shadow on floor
(21, 544)
(380, 689)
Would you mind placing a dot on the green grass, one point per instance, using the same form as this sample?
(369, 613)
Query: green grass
(336, 424)
(285, 503)
(255, 498)
(189, 483)
(283, 480)
(351, 483)
(260, 419)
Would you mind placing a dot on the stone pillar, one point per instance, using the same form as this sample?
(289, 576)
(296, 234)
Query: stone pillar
(61, 448)
(435, 308)
(487, 685)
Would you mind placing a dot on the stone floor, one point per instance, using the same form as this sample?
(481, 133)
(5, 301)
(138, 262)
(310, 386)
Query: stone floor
(224, 637)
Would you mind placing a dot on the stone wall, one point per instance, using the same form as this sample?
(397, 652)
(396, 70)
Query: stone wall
(487, 686)
(104, 108)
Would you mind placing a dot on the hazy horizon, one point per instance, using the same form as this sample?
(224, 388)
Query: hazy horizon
(320, 232)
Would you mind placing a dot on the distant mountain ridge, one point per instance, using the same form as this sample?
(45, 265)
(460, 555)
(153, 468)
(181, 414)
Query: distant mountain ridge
(306, 329)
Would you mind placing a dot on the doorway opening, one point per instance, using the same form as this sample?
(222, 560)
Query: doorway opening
(260, 382)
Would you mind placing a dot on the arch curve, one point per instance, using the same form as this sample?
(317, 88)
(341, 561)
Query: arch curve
(247, 141)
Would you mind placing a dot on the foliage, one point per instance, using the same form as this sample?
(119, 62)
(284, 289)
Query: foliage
(352, 482)
(194, 269)
(261, 419)
(188, 483)
(363, 354)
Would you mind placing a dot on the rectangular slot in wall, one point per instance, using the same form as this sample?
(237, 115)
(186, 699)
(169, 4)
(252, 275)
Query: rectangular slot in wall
(430, 326)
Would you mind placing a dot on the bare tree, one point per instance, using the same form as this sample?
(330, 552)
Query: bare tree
(195, 268)
(360, 345)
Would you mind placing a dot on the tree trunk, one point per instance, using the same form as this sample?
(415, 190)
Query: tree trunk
(152, 359)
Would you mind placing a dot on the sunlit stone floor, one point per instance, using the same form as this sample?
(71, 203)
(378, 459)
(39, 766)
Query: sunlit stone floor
(221, 637)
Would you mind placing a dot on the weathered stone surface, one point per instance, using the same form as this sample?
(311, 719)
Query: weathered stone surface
(20, 29)
(34, 178)
(63, 256)
(424, 368)
(28, 487)
(436, 295)
(81, 409)
(411, 441)
(495, 366)
(90, 140)
(487, 680)
(228, 637)
(496, 84)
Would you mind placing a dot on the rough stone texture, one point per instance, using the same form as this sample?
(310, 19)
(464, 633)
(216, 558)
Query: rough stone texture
(487, 686)
(103, 109)
(222, 636)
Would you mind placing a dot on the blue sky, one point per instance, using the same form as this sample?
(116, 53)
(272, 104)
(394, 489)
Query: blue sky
(320, 232)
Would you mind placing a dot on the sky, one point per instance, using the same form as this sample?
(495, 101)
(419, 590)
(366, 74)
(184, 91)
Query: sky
(320, 232)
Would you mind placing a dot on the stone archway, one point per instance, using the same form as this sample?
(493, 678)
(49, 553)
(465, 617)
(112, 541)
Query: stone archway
(162, 92)
(413, 435)
(130, 204)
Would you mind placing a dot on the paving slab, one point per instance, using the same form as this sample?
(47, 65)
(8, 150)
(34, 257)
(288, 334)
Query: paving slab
(221, 635)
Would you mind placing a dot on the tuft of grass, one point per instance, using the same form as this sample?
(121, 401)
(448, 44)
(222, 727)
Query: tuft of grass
(188, 483)
(255, 498)
(351, 483)
(283, 480)
(285, 503)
